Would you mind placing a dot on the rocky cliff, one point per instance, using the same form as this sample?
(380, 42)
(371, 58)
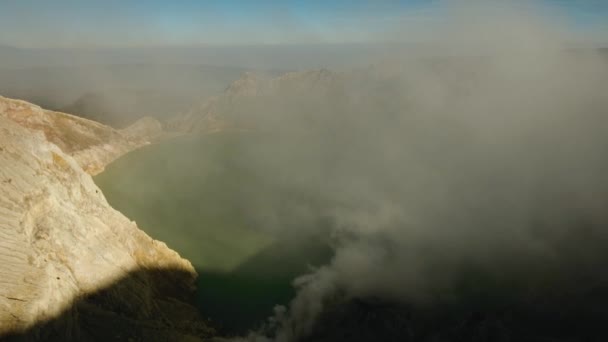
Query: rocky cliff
(71, 267)
(92, 144)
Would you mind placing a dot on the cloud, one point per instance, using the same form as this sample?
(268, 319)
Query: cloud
(478, 167)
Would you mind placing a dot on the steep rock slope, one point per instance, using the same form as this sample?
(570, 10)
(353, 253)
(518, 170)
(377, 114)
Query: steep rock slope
(67, 257)
(92, 144)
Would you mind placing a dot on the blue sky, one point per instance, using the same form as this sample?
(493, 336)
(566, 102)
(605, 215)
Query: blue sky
(74, 23)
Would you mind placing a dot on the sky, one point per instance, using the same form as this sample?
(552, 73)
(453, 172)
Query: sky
(130, 23)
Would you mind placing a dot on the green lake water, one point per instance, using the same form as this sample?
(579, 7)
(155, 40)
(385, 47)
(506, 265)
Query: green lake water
(217, 200)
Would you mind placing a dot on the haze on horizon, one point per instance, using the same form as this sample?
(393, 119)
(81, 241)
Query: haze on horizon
(135, 24)
(285, 35)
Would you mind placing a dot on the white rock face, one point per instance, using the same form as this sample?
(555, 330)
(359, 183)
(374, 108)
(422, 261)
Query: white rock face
(92, 144)
(59, 238)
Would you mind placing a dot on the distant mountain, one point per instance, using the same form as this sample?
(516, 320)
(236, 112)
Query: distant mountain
(248, 95)
(256, 96)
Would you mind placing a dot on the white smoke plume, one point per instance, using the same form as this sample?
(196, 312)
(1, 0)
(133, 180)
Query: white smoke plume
(487, 155)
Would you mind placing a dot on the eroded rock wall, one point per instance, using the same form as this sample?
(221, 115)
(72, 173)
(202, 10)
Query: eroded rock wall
(65, 254)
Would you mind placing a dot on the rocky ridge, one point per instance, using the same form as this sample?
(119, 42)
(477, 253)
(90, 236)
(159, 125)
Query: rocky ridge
(92, 144)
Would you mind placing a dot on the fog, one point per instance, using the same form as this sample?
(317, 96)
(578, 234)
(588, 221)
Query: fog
(466, 172)
(476, 175)
(117, 86)
(113, 92)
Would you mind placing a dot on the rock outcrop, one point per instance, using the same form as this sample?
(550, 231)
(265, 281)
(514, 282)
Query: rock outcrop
(71, 267)
(92, 144)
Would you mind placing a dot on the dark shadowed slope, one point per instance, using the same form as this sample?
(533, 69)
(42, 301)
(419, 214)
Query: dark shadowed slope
(144, 305)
